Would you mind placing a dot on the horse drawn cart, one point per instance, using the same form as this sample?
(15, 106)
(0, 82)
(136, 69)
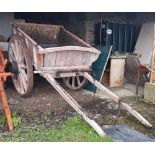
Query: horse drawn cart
(54, 52)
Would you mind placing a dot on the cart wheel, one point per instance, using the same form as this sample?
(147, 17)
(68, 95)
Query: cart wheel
(75, 82)
(21, 65)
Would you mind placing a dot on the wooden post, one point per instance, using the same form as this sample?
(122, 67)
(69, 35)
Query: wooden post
(73, 103)
(125, 106)
(152, 77)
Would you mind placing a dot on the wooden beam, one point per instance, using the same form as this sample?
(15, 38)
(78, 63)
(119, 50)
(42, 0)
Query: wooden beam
(69, 48)
(152, 77)
(66, 69)
(74, 104)
(125, 106)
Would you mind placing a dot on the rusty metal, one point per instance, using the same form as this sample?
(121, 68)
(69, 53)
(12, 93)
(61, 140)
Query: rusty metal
(3, 76)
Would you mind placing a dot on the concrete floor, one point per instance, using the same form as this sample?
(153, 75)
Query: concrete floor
(127, 90)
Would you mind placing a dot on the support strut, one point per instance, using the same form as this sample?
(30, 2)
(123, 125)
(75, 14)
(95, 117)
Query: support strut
(74, 104)
(124, 106)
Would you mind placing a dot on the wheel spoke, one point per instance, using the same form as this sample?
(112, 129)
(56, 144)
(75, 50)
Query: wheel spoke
(67, 80)
(17, 83)
(17, 50)
(23, 74)
(78, 80)
(11, 55)
(73, 82)
(14, 51)
(20, 55)
(23, 82)
(22, 66)
(21, 59)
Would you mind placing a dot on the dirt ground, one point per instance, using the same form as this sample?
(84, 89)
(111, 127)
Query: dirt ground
(44, 99)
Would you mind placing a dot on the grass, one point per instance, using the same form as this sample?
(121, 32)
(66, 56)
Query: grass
(73, 129)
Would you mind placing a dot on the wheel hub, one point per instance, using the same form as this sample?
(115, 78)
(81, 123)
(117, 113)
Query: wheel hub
(14, 69)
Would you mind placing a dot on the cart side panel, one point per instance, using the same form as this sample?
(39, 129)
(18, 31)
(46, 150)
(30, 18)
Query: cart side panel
(52, 35)
(66, 38)
(69, 58)
(42, 34)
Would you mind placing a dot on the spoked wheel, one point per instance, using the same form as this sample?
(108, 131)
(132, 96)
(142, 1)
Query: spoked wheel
(22, 68)
(75, 82)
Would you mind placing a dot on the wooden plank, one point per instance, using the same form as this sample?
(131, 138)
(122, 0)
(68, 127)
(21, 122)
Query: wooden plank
(144, 45)
(152, 77)
(74, 104)
(114, 97)
(50, 59)
(117, 66)
(66, 69)
(135, 114)
(100, 86)
(69, 58)
(72, 48)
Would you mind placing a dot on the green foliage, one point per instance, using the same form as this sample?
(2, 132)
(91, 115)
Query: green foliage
(15, 118)
(73, 129)
(2, 119)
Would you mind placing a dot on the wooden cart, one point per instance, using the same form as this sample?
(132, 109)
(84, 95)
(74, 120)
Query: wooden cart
(54, 52)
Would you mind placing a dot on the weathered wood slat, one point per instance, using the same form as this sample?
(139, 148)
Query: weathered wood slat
(66, 48)
(66, 69)
(152, 77)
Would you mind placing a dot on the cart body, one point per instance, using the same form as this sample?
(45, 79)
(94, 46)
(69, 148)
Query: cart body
(53, 48)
